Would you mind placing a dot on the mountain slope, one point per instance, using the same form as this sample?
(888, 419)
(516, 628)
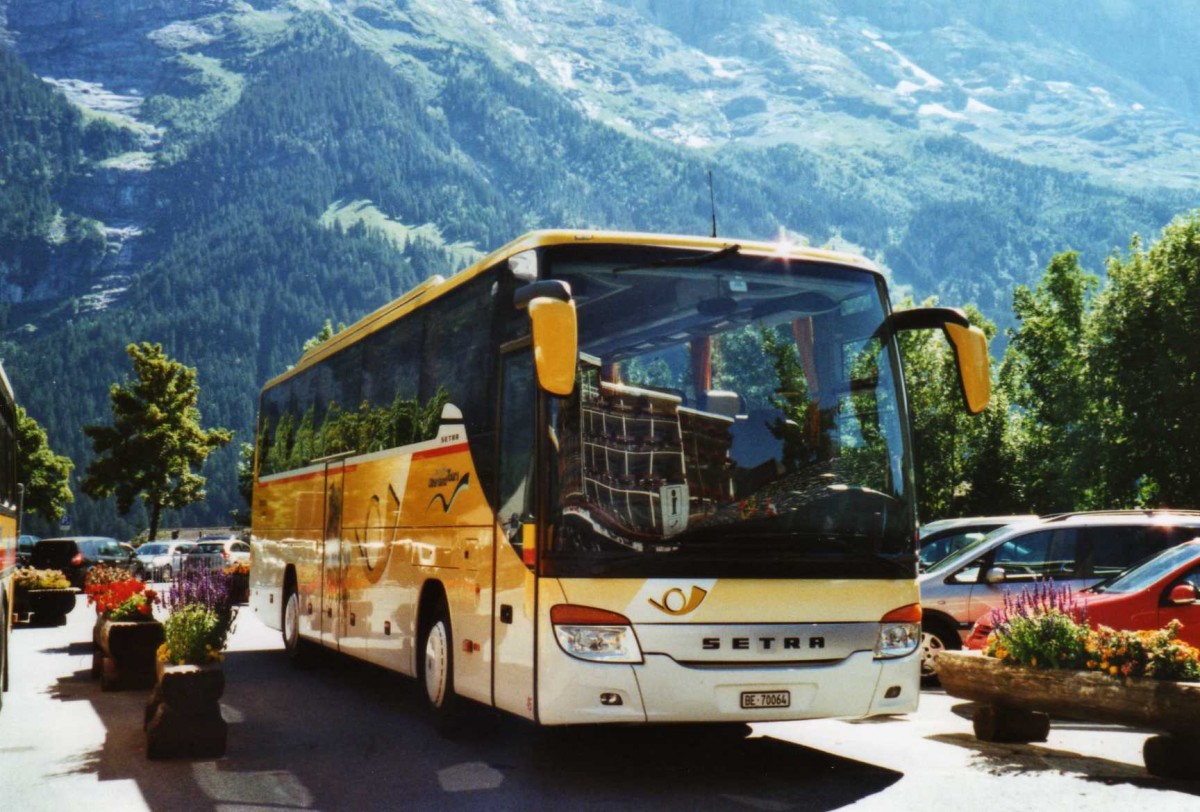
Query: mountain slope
(270, 165)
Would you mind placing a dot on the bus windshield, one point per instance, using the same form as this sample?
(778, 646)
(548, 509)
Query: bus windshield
(734, 416)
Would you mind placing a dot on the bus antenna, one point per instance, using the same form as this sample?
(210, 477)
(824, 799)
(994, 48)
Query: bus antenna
(712, 202)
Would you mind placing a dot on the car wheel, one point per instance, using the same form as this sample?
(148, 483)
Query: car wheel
(935, 638)
(437, 670)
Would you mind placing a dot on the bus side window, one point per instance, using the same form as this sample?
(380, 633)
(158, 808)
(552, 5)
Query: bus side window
(517, 430)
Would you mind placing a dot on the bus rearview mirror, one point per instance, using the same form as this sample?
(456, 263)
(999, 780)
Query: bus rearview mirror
(968, 343)
(971, 353)
(555, 344)
(555, 332)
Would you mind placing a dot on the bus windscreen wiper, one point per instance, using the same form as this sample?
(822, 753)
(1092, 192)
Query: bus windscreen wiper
(683, 262)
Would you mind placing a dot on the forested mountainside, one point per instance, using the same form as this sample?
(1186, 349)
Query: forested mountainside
(224, 176)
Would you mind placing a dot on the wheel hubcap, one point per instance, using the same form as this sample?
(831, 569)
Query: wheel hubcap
(436, 649)
(931, 646)
(291, 621)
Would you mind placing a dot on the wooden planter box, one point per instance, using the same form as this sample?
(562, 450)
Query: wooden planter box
(124, 653)
(1016, 703)
(48, 607)
(239, 587)
(183, 717)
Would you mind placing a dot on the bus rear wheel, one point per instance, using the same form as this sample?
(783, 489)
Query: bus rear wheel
(437, 670)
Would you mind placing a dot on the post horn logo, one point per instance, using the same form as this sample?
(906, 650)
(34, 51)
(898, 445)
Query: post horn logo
(674, 602)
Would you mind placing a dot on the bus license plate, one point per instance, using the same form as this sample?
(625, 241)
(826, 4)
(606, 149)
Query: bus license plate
(766, 699)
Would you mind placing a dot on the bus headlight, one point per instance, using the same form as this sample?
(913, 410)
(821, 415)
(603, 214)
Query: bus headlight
(596, 635)
(899, 632)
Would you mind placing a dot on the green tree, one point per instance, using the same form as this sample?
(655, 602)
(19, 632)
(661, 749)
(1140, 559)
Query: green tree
(1045, 374)
(46, 475)
(1144, 358)
(155, 439)
(327, 332)
(960, 459)
(245, 483)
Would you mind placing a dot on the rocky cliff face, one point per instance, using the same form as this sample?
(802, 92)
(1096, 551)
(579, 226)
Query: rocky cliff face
(1103, 88)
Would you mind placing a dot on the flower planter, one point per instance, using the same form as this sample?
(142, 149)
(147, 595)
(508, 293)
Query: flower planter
(239, 587)
(124, 653)
(48, 607)
(1016, 703)
(183, 717)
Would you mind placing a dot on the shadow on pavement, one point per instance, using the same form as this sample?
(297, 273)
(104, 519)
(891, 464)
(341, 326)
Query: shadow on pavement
(346, 735)
(1012, 759)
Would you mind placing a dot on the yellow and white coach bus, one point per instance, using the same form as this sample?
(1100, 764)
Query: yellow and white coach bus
(607, 477)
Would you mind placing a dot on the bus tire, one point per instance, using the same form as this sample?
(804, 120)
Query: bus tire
(298, 650)
(436, 664)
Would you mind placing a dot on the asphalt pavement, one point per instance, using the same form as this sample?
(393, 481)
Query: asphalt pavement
(347, 736)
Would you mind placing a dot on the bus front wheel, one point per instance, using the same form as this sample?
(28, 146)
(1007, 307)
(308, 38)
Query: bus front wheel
(437, 670)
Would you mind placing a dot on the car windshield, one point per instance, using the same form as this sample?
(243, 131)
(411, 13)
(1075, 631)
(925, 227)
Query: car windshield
(1149, 571)
(936, 549)
(151, 549)
(739, 416)
(208, 547)
(965, 554)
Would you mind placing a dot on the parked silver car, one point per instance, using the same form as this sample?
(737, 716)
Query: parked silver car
(218, 552)
(1073, 549)
(160, 560)
(940, 538)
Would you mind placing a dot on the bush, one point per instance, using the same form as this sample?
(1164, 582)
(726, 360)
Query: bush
(27, 578)
(1042, 628)
(103, 574)
(1157, 653)
(208, 588)
(1046, 628)
(138, 606)
(124, 599)
(192, 636)
(201, 619)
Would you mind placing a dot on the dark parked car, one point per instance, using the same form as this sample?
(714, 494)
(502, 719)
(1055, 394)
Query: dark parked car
(25, 549)
(76, 555)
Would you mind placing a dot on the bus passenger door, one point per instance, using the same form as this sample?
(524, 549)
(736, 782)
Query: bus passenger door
(513, 612)
(331, 549)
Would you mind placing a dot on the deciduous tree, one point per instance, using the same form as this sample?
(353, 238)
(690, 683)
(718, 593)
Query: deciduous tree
(1045, 372)
(1145, 354)
(960, 458)
(155, 440)
(46, 475)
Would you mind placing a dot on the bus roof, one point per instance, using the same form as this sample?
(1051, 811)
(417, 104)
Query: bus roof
(437, 285)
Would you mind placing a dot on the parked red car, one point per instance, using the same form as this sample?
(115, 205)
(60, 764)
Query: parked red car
(1148, 596)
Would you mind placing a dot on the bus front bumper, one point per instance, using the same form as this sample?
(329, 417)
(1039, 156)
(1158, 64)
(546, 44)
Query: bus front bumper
(661, 690)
